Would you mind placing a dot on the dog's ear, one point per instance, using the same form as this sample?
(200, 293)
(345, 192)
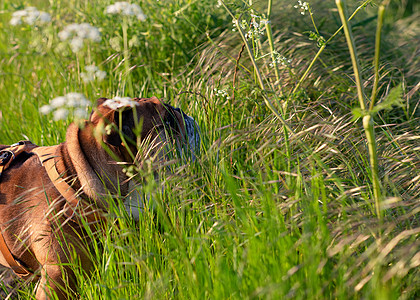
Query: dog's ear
(100, 101)
(121, 123)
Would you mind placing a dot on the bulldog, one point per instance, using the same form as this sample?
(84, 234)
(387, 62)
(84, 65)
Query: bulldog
(51, 197)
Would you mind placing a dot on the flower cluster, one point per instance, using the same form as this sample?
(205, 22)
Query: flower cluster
(221, 93)
(303, 6)
(243, 24)
(92, 73)
(279, 59)
(30, 16)
(255, 29)
(126, 9)
(60, 106)
(78, 33)
(118, 102)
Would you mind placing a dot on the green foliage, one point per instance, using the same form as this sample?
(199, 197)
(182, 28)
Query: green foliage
(393, 99)
(273, 207)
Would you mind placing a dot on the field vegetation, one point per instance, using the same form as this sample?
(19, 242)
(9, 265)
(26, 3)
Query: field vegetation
(307, 185)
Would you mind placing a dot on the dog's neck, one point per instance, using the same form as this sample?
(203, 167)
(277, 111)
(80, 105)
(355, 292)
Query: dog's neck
(96, 172)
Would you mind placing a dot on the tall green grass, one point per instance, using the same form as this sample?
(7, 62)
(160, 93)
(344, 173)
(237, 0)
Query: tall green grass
(280, 203)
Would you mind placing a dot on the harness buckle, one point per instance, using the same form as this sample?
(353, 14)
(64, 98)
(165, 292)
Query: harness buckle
(5, 156)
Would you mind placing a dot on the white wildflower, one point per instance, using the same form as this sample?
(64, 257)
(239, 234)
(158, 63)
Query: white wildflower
(58, 102)
(76, 44)
(118, 102)
(60, 114)
(92, 73)
(64, 35)
(61, 106)
(76, 100)
(44, 17)
(46, 109)
(15, 21)
(255, 29)
(78, 33)
(221, 93)
(303, 6)
(126, 9)
(30, 16)
(279, 59)
(80, 113)
(100, 75)
(243, 24)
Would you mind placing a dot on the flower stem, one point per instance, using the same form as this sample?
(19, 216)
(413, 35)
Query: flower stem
(353, 54)
(381, 11)
(373, 160)
(271, 42)
(367, 119)
(126, 57)
(323, 47)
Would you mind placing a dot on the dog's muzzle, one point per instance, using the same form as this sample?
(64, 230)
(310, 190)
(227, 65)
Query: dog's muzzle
(193, 133)
(135, 199)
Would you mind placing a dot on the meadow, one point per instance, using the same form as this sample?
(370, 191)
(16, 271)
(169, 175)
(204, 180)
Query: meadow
(307, 184)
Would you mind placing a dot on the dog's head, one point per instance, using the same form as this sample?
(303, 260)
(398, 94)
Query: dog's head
(129, 124)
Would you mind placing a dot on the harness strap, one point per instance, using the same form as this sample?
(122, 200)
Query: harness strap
(7, 156)
(48, 156)
(13, 263)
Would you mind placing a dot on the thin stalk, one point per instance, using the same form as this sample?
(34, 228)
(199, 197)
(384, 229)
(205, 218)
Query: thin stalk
(353, 54)
(257, 70)
(367, 119)
(271, 41)
(323, 47)
(126, 58)
(287, 128)
(373, 160)
(312, 19)
(309, 68)
(381, 11)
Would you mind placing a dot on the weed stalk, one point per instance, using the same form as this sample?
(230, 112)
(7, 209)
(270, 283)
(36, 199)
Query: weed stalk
(271, 41)
(367, 119)
(126, 56)
(381, 11)
(321, 49)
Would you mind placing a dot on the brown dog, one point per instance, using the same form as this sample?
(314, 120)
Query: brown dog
(45, 192)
